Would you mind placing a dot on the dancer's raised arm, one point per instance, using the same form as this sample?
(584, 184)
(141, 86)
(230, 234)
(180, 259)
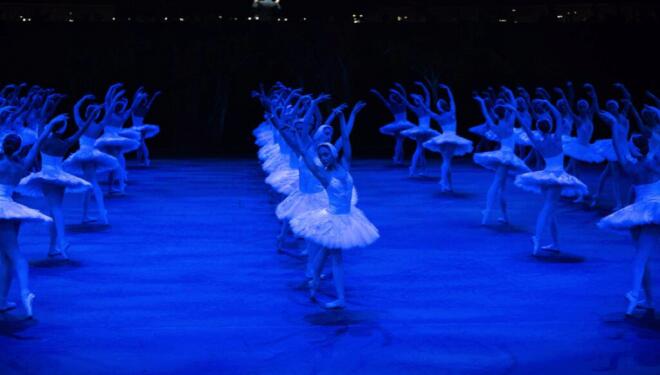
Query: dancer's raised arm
(34, 151)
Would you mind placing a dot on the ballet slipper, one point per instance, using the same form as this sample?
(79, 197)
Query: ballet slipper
(484, 216)
(59, 251)
(336, 305)
(7, 306)
(536, 246)
(27, 299)
(313, 287)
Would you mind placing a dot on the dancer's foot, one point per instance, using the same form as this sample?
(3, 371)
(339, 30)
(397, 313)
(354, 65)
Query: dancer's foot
(634, 302)
(444, 187)
(504, 220)
(7, 306)
(313, 287)
(552, 248)
(59, 251)
(280, 244)
(536, 247)
(27, 299)
(147, 163)
(594, 201)
(579, 199)
(485, 214)
(336, 305)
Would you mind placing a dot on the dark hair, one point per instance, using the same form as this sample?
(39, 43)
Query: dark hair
(11, 144)
(544, 126)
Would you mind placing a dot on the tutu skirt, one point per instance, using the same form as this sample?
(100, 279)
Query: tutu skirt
(586, 153)
(131, 133)
(298, 202)
(87, 155)
(483, 131)
(146, 131)
(33, 184)
(276, 163)
(494, 159)
(535, 182)
(438, 143)
(268, 151)
(284, 181)
(108, 142)
(646, 212)
(605, 148)
(396, 127)
(10, 210)
(420, 134)
(335, 231)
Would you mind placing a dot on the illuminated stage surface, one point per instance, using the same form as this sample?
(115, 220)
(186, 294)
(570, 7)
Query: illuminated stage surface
(186, 280)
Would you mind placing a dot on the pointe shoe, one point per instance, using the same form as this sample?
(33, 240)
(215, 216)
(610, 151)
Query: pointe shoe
(552, 248)
(635, 303)
(27, 304)
(7, 306)
(484, 217)
(503, 220)
(313, 287)
(59, 251)
(336, 305)
(536, 246)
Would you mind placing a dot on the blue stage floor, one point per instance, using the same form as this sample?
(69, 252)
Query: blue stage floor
(187, 281)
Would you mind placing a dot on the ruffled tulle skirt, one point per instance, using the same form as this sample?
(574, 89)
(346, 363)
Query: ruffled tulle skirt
(132, 133)
(109, 143)
(483, 131)
(10, 210)
(420, 134)
(284, 181)
(101, 161)
(146, 130)
(586, 153)
(268, 151)
(276, 162)
(334, 231)
(605, 148)
(438, 143)
(298, 202)
(645, 212)
(521, 138)
(396, 127)
(536, 181)
(494, 159)
(264, 139)
(33, 184)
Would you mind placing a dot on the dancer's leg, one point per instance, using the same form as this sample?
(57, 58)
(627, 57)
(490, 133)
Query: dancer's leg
(11, 252)
(416, 160)
(338, 278)
(601, 183)
(89, 170)
(502, 196)
(493, 193)
(445, 172)
(398, 150)
(54, 196)
(646, 241)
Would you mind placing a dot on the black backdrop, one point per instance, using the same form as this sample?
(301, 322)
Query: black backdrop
(207, 71)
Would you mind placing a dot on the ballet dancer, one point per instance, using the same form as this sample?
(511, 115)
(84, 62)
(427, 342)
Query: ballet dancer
(552, 181)
(448, 144)
(422, 132)
(146, 131)
(642, 218)
(340, 225)
(12, 215)
(503, 161)
(89, 162)
(399, 110)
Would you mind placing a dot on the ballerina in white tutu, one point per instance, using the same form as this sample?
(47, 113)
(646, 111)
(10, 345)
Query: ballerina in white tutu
(12, 214)
(52, 181)
(115, 140)
(503, 161)
(552, 181)
(88, 161)
(146, 131)
(422, 132)
(340, 225)
(642, 218)
(448, 144)
(399, 110)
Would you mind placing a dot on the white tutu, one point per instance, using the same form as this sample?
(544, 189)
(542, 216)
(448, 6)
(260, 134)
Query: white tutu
(552, 176)
(147, 130)
(268, 151)
(605, 148)
(448, 138)
(420, 134)
(645, 210)
(51, 173)
(109, 142)
(284, 181)
(483, 131)
(298, 203)
(396, 127)
(131, 133)
(276, 162)
(10, 210)
(494, 159)
(335, 231)
(585, 153)
(87, 154)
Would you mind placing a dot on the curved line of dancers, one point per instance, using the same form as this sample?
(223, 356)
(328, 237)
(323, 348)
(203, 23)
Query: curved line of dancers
(313, 173)
(538, 131)
(35, 161)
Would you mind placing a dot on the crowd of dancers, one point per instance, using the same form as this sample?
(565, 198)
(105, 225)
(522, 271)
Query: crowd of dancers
(312, 175)
(531, 140)
(35, 161)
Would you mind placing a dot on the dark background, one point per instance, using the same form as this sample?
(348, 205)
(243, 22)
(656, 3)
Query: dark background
(207, 67)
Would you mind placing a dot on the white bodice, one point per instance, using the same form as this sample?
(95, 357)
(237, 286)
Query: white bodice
(86, 142)
(51, 163)
(340, 194)
(508, 143)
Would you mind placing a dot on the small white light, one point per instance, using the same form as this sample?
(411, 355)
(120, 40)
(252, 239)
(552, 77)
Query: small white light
(256, 18)
(514, 10)
(181, 19)
(114, 19)
(219, 17)
(249, 18)
(559, 16)
(286, 20)
(164, 18)
(502, 20)
(71, 20)
(304, 18)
